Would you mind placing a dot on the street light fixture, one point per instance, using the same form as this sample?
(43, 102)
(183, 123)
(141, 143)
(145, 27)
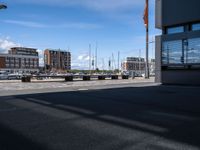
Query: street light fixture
(2, 6)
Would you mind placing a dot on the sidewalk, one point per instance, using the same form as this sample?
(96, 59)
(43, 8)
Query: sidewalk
(16, 86)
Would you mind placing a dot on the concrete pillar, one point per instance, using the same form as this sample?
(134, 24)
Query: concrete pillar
(86, 78)
(158, 59)
(101, 77)
(114, 77)
(125, 76)
(26, 79)
(69, 78)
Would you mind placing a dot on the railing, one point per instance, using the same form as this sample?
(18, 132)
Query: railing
(72, 77)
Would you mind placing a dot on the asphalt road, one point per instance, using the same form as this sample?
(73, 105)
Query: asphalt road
(132, 118)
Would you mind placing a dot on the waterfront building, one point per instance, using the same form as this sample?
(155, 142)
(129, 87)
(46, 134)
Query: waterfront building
(20, 60)
(178, 48)
(135, 64)
(57, 60)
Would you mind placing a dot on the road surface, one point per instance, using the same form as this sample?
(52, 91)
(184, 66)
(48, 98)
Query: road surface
(140, 117)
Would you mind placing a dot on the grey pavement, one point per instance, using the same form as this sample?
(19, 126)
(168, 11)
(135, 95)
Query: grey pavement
(13, 87)
(142, 116)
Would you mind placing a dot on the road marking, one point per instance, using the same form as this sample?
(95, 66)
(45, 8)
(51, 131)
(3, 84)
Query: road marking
(39, 101)
(76, 109)
(82, 89)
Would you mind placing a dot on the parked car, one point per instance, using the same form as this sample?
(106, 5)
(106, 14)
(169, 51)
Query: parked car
(14, 76)
(3, 75)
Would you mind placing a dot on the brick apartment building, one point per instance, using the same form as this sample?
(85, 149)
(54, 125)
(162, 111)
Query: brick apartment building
(57, 60)
(20, 59)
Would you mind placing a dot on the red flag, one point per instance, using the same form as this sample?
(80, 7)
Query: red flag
(146, 14)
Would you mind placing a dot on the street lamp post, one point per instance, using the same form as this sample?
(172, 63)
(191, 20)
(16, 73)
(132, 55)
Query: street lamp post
(2, 6)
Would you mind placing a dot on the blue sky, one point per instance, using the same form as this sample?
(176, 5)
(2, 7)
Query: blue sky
(116, 25)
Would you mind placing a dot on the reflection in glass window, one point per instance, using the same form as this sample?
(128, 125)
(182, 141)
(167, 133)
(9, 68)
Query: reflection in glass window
(196, 27)
(173, 30)
(172, 52)
(193, 51)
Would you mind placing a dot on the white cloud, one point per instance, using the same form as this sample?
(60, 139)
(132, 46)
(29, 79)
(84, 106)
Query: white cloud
(99, 5)
(6, 44)
(83, 57)
(80, 65)
(77, 25)
(80, 62)
(25, 23)
(109, 5)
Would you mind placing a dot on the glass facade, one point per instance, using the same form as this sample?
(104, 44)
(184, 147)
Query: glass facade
(172, 52)
(193, 51)
(173, 30)
(196, 27)
(181, 52)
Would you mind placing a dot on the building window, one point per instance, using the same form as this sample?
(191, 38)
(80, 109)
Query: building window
(193, 51)
(186, 52)
(173, 30)
(172, 52)
(196, 27)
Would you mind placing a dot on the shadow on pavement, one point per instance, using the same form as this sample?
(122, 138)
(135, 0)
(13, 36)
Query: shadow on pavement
(12, 140)
(170, 114)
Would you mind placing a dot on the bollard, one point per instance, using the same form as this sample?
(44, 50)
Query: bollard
(69, 78)
(114, 77)
(125, 76)
(26, 79)
(86, 78)
(101, 77)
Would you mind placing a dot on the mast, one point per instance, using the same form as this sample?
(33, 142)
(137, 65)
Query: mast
(96, 61)
(90, 58)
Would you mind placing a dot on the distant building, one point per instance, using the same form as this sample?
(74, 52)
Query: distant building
(23, 51)
(178, 48)
(135, 64)
(152, 67)
(57, 60)
(20, 59)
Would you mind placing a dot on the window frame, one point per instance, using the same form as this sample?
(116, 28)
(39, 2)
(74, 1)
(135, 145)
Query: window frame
(175, 30)
(195, 24)
(185, 64)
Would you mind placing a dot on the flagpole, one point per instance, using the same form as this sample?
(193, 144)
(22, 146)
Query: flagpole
(147, 41)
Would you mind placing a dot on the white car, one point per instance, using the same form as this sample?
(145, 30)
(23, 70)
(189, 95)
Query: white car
(14, 76)
(3, 75)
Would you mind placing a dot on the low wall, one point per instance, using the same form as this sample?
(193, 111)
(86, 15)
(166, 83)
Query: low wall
(184, 77)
